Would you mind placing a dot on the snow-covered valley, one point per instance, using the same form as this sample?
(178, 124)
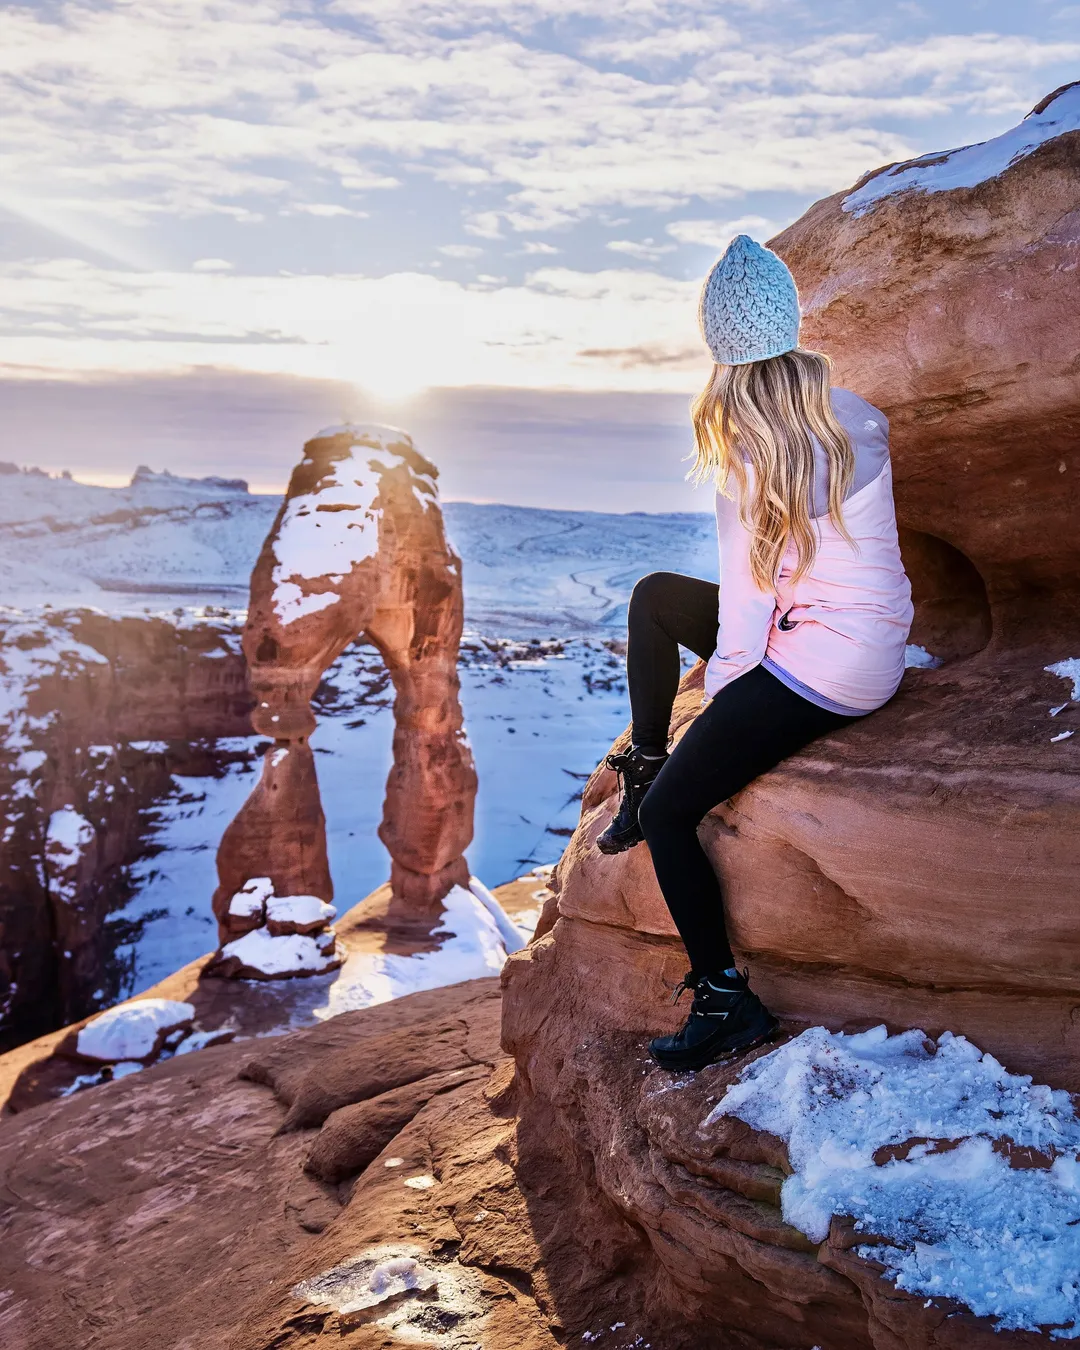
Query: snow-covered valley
(541, 670)
(165, 542)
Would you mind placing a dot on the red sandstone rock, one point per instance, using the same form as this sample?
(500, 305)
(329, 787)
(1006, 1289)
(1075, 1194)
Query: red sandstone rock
(279, 833)
(922, 867)
(189, 1219)
(101, 684)
(358, 547)
(955, 313)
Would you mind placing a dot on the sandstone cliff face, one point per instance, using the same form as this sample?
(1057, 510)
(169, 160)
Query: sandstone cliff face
(922, 868)
(945, 292)
(98, 714)
(357, 547)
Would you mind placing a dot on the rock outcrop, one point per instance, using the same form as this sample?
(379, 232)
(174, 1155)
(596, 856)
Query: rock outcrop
(358, 547)
(945, 291)
(921, 868)
(98, 714)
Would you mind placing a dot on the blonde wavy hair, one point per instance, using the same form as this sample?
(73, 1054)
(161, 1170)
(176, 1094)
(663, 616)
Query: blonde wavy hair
(764, 414)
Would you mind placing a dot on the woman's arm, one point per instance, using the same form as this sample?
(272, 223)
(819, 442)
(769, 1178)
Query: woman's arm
(745, 613)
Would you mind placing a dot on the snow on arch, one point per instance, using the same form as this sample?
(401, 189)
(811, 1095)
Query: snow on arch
(969, 165)
(326, 532)
(67, 837)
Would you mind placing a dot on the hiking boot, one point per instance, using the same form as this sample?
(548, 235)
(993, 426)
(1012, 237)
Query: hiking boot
(725, 1020)
(636, 774)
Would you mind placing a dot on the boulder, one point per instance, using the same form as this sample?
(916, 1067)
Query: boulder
(134, 1031)
(944, 289)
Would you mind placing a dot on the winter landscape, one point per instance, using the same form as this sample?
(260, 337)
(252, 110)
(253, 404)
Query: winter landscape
(344, 359)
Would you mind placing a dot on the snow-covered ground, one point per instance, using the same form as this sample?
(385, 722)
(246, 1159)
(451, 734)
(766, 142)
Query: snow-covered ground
(965, 1178)
(165, 542)
(539, 717)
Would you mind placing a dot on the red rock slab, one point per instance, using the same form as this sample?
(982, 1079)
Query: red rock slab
(920, 868)
(168, 1209)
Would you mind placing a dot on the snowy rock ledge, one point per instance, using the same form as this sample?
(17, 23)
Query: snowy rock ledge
(277, 936)
(964, 1178)
(259, 955)
(133, 1031)
(474, 936)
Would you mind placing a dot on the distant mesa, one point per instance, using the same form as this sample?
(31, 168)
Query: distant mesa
(144, 476)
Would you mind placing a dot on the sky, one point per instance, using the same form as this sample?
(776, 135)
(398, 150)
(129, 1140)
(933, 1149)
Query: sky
(367, 205)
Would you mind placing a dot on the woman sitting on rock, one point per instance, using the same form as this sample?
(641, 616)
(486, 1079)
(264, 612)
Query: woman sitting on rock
(805, 632)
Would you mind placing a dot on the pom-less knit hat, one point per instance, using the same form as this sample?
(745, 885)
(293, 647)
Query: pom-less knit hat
(749, 305)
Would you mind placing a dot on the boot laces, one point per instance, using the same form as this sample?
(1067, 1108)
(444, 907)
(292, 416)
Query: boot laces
(620, 764)
(688, 981)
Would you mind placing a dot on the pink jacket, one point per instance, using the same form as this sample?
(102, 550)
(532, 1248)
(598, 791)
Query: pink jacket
(837, 636)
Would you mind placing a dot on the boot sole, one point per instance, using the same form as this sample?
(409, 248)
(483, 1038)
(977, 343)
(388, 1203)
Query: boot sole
(613, 846)
(707, 1057)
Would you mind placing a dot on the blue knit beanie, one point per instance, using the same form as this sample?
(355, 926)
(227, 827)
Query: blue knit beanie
(749, 307)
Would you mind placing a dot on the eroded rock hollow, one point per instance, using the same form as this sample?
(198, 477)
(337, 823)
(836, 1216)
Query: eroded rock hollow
(358, 548)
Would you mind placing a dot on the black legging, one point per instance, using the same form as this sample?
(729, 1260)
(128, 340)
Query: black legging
(749, 727)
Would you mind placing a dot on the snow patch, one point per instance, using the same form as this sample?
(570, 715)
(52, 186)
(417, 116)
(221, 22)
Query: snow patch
(132, 1031)
(299, 909)
(292, 954)
(913, 1140)
(1062, 736)
(67, 837)
(365, 1284)
(423, 1182)
(1067, 670)
(251, 898)
(392, 1283)
(513, 938)
(918, 658)
(472, 946)
(199, 1040)
(969, 165)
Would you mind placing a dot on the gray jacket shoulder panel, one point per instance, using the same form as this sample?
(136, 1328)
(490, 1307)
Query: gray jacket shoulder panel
(868, 430)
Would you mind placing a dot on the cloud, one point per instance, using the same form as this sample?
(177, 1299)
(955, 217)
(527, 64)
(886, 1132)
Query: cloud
(131, 130)
(389, 334)
(460, 250)
(717, 234)
(327, 209)
(646, 248)
(211, 265)
(484, 224)
(631, 358)
(236, 102)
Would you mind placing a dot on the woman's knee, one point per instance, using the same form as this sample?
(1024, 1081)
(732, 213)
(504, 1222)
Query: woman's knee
(661, 816)
(648, 594)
